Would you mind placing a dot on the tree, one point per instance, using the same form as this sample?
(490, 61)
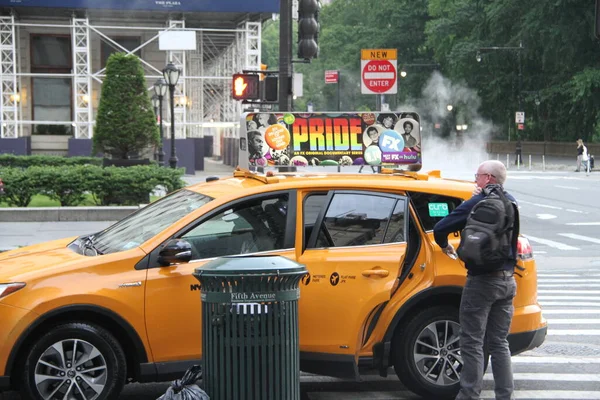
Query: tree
(125, 124)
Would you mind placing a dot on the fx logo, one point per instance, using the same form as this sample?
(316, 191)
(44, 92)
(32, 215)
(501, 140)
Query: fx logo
(391, 142)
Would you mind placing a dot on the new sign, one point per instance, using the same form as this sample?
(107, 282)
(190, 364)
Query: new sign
(379, 72)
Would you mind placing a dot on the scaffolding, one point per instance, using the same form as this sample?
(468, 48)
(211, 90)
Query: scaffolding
(203, 102)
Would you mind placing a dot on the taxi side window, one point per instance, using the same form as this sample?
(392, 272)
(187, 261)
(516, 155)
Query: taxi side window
(431, 208)
(249, 227)
(354, 219)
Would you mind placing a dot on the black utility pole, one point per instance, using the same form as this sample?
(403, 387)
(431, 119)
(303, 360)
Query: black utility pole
(285, 55)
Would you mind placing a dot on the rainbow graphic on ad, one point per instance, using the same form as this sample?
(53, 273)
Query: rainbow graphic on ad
(313, 139)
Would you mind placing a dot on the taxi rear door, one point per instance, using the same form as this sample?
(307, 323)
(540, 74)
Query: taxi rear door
(353, 245)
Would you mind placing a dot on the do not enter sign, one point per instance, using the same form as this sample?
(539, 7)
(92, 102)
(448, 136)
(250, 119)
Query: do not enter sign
(379, 77)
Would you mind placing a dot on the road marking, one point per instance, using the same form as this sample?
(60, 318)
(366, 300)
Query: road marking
(542, 376)
(571, 303)
(592, 298)
(574, 332)
(585, 285)
(551, 243)
(559, 275)
(545, 216)
(575, 211)
(582, 280)
(554, 360)
(567, 187)
(580, 237)
(566, 311)
(574, 321)
(485, 394)
(583, 223)
(569, 291)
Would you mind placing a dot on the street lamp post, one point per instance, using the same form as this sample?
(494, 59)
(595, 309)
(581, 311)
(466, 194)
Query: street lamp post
(518, 49)
(171, 75)
(160, 89)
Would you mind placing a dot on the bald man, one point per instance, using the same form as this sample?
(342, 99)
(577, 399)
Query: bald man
(486, 307)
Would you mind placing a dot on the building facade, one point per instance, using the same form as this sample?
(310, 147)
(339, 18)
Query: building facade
(53, 56)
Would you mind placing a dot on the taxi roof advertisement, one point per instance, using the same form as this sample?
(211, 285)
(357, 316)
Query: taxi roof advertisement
(236, 6)
(321, 139)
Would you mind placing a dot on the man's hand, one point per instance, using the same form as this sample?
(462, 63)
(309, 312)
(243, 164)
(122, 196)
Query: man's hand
(476, 191)
(450, 252)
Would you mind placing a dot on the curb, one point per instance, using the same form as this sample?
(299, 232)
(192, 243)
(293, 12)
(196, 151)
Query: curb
(65, 214)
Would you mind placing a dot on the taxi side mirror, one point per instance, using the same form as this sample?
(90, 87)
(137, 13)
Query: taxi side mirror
(175, 251)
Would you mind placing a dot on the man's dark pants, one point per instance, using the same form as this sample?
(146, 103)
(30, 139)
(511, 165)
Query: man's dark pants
(486, 311)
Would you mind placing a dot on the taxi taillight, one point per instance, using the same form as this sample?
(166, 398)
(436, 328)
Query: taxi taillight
(524, 250)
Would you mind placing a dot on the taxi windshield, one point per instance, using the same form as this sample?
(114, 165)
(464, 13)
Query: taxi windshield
(148, 222)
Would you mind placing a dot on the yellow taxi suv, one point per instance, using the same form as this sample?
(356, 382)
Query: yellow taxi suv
(83, 316)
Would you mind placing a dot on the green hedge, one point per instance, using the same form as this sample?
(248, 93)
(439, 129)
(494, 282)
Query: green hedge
(10, 160)
(69, 184)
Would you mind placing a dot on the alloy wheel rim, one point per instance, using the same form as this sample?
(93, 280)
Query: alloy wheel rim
(71, 369)
(436, 353)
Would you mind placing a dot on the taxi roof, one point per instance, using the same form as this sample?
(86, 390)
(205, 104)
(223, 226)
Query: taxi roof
(247, 182)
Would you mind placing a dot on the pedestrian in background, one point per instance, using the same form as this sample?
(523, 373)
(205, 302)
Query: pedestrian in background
(581, 150)
(486, 306)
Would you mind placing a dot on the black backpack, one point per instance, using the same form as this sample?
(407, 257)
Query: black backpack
(486, 240)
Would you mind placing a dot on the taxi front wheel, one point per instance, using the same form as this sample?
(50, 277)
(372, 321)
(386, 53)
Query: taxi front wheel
(74, 361)
(426, 353)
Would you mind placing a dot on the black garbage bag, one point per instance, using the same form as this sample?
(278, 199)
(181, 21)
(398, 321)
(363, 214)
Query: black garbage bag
(186, 388)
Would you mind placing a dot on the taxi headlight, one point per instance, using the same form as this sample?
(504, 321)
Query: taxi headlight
(8, 288)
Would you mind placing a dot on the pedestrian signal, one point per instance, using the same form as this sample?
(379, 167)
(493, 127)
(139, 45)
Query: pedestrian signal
(245, 87)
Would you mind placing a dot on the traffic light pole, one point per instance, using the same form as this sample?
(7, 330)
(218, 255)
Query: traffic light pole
(285, 55)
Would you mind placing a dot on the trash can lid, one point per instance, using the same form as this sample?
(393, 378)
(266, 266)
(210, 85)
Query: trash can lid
(250, 265)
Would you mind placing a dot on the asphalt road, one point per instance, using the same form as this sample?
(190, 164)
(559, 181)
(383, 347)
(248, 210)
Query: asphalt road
(561, 218)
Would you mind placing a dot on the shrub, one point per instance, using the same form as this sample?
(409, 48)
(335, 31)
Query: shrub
(125, 123)
(10, 160)
(68, 185)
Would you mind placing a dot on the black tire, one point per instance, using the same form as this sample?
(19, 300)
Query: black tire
(107, 370)
(403, 353)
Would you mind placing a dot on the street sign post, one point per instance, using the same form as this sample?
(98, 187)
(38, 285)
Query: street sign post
(331, 76)
(379, 71)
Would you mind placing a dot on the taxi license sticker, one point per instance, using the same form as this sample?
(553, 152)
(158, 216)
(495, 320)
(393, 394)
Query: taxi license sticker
(329, 139)
(438, 209)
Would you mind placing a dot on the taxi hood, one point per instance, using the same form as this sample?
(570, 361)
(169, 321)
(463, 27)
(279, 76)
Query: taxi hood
(24, 260)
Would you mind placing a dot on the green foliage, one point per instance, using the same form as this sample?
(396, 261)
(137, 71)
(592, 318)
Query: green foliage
(72, 185)
(20, 185)
(559, 58)
(10, 160)
(125, 123)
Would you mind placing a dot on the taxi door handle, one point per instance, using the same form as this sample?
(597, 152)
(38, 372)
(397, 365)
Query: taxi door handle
(376, 272)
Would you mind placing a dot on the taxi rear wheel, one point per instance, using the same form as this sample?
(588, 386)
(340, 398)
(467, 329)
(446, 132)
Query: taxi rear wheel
(426, 353)
(74, 360)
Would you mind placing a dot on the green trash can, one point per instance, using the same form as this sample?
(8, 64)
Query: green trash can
(250, 347)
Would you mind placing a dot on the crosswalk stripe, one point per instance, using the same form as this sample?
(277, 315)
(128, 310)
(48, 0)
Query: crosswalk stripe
(573, 332)
(547, 376)
(558, 275)
(551, 243)
(555, 360)
(583, 223)
(553, 285)
(575, 291)
(582, 280)
(572, 304)
(564, 311)
(574, 321)
(580, 237)
(485, 394)
(591, 298)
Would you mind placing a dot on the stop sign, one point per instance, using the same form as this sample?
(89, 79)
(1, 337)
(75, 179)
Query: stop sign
(379, 76)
